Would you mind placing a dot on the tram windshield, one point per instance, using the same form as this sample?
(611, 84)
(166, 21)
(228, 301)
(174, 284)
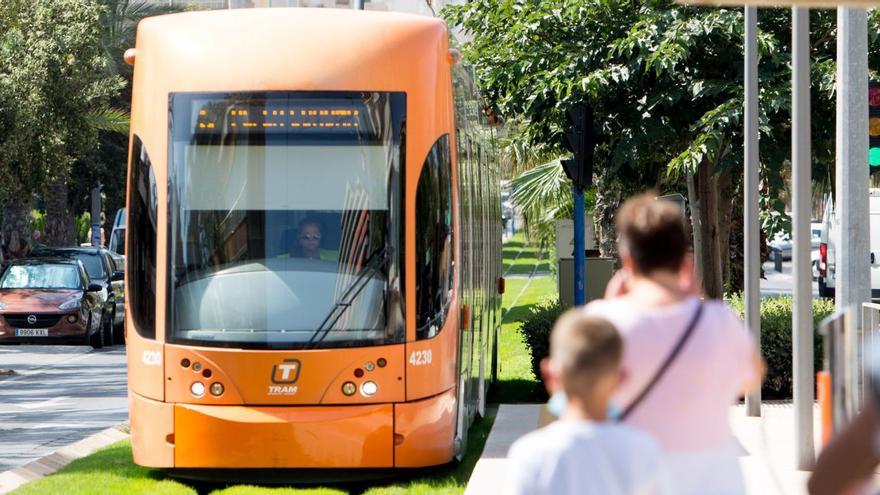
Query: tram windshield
(285, 219)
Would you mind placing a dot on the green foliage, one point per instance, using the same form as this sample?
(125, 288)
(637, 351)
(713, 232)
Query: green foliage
(664, 80)
(83, 224)
(776, 318)
(544, 194)
(535, 330)
(53, 74)
(38, 220)
(110, 120)
(776, 314)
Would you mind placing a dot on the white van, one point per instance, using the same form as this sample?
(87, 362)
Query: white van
(826, 277)
(117, 236)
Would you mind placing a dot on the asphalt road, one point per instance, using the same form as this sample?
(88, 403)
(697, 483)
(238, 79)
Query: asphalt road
(781, 283)
(57, 396)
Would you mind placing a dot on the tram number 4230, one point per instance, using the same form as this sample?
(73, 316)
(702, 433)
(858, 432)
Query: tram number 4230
(420, 358)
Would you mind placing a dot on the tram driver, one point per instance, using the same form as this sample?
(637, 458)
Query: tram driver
(308, 241)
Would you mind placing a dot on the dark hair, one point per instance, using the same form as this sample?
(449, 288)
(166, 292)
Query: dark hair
(310, 221)
(653, 233)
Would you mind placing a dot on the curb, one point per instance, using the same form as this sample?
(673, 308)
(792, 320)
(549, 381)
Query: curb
(34, 470)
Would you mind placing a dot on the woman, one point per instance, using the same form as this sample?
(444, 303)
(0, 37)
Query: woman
(653, 302)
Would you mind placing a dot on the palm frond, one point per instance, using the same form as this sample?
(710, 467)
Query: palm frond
(109, 119)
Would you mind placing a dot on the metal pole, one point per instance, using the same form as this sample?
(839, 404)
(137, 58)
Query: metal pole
(750, 208)
(852, 270)
(96, 216)
(802, 324)
(357, 4)
(579, 293)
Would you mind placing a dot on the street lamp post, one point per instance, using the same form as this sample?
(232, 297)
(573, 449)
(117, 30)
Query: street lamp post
(802, 324)
(752, 234)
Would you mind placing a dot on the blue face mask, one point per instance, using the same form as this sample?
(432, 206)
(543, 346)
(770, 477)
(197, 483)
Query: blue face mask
(556, 406)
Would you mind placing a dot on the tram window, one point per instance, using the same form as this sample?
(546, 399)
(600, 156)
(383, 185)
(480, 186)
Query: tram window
(141, 249)
(434, 241)
(284, 233)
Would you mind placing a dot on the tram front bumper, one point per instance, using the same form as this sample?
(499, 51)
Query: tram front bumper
(283, 437)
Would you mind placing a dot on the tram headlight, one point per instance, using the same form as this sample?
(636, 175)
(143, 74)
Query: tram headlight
(369, 389)
(197, 389)
(349, 388)
(216, 389)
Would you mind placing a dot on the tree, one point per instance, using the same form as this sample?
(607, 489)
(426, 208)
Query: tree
(665, 83)
(52, 78)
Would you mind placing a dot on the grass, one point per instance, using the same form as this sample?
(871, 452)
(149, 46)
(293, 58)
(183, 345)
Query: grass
(111, 470)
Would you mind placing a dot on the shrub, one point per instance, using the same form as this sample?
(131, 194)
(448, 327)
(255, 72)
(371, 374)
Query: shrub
(776, 314)
(535, 330)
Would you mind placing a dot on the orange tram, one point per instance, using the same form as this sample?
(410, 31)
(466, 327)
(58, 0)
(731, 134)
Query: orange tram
(314, 242)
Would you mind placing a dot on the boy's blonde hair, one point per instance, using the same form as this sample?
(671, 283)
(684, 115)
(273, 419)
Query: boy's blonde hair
(584, 349)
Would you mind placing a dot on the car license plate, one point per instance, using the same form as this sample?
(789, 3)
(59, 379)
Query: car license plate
(32, 332)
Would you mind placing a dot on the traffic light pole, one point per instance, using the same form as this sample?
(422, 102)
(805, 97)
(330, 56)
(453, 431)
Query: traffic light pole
(579, 272)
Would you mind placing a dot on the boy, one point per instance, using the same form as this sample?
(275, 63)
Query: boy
(584, 452)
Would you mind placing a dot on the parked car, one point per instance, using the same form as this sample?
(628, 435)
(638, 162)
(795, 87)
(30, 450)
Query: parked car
(103, 269)
(48, 298)
(782, 242)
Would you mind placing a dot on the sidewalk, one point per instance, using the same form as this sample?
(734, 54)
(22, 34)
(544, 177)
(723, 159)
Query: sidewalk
(768, 460)
(14, 478)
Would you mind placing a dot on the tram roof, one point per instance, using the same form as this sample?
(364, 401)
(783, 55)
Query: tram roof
(290, 48)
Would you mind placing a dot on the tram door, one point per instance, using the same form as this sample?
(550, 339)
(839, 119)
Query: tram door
(484, 292)
(466, 289)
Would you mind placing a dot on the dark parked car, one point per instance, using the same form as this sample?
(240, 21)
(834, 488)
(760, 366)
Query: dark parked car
(48, 298)
(102, 268)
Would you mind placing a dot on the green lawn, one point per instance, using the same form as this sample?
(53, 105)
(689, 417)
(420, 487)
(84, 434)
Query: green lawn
(111, 470)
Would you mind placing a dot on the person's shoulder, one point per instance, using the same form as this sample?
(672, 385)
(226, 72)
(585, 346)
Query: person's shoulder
(603, 308)
(631, 439)
(543, 441)
(722, 317)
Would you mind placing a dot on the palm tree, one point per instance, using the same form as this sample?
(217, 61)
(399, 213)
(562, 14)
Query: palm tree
(119, 27)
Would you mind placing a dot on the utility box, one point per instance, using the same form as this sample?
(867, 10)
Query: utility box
(598, 273)
(565, 238)
(597, 270)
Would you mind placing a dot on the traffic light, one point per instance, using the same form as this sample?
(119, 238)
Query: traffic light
(579, 139)
(874, 127)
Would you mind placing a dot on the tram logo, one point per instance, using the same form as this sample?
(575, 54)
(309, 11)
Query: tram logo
(287, 372)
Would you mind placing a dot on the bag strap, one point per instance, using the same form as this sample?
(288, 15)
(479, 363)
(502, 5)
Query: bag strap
(669, 359)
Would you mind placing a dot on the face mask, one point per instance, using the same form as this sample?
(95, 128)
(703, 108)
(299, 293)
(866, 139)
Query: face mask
(613, 413)
(556, 406)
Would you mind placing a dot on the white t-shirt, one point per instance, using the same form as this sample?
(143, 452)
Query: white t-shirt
(584, 458)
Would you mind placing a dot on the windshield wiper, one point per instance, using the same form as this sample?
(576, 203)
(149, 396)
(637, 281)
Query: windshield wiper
(377, 260)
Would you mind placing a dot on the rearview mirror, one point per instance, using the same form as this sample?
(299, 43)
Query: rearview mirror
(94, 288)
(117, 276)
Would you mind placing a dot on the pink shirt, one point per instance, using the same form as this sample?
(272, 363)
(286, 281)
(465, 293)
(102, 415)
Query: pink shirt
(687, 410)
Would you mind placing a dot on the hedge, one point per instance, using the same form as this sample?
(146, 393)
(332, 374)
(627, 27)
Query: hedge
(776, 313)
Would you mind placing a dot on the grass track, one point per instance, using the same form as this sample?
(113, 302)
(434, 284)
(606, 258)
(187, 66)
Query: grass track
(111, 470)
